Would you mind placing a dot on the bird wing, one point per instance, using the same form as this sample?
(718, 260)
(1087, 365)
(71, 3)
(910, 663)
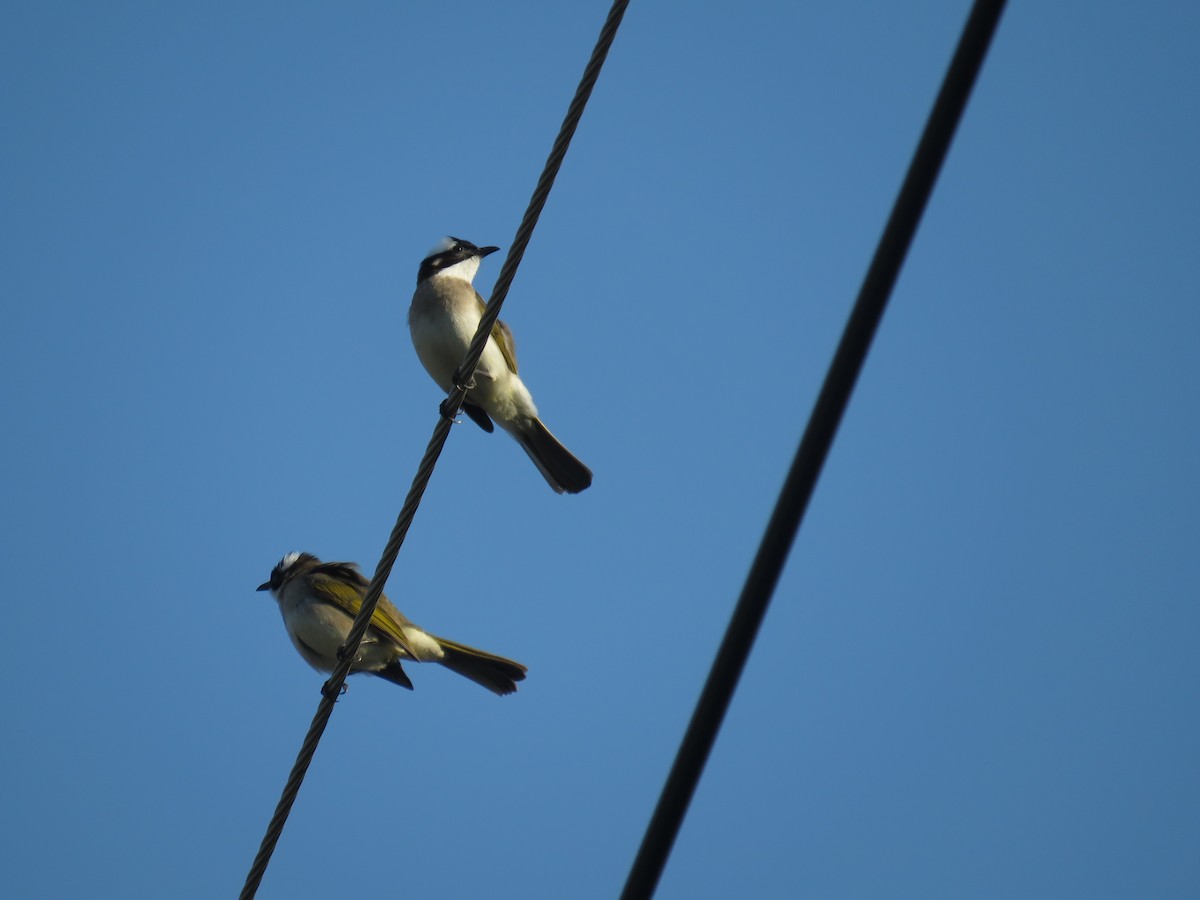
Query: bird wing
(348, 597)
(503, 337)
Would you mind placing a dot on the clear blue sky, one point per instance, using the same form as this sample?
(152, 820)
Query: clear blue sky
(980, 675)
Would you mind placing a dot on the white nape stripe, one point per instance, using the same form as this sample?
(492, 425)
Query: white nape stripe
(446, 243)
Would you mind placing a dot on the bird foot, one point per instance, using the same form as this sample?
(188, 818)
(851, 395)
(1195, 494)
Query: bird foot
(458, 382)
(326, 691)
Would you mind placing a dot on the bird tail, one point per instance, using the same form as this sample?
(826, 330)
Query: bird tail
(497, 674)
(395, 674)
(564, 472)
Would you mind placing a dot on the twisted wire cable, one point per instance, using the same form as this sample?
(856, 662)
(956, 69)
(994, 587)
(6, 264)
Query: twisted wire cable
(450, 406)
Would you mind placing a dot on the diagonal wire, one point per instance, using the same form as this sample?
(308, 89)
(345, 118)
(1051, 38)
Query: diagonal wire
(521, 240)
(450, 406)
(814, 447)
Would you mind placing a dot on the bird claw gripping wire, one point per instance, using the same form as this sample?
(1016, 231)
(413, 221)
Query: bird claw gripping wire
(463, 385)
(449, 411)
(342, 688)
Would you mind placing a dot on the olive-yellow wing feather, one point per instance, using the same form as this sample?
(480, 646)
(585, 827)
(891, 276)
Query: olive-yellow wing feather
(386, 617)
(502, 335)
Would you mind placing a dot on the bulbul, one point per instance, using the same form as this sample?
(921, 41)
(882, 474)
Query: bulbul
(444, 315)
(319, 601)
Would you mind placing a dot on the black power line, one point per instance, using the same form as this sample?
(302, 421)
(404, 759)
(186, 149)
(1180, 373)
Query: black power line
(814, 448)
(450, 406)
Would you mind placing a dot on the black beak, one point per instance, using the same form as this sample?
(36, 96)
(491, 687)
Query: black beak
(486, 251)
(265, 586)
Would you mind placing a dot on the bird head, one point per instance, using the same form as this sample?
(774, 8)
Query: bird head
(453, 257)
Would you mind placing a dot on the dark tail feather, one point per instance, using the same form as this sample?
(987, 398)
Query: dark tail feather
(558, 465)
(497, 674)
(478, 416)
(395, 675)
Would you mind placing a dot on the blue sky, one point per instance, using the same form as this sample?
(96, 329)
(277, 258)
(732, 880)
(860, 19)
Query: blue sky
(979, 676)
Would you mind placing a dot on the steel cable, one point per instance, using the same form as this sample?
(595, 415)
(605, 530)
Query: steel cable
(450, 406)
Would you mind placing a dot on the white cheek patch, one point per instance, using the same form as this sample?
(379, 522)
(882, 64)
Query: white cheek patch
(464, 270)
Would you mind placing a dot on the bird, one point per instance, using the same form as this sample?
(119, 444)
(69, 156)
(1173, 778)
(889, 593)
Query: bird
(442, 320)
(319, 600)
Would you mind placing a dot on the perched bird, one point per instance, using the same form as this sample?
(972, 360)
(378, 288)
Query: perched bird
(443, 318)
(319, 601)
